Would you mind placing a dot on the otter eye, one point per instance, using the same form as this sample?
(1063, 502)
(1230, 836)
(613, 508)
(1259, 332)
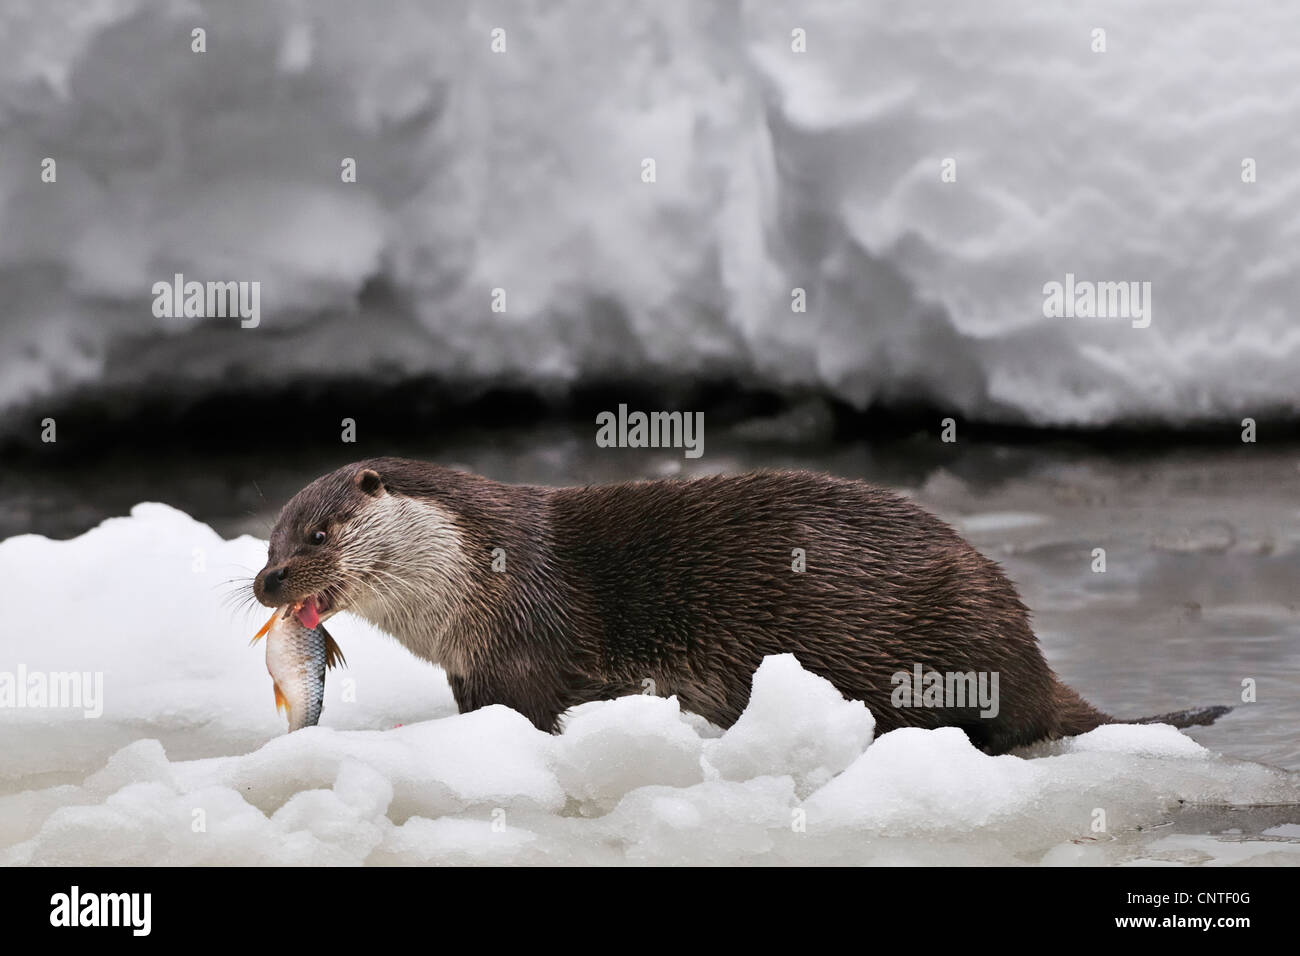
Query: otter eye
(317, 537)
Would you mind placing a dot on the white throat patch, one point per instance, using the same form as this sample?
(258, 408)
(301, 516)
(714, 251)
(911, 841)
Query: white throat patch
(406, 567)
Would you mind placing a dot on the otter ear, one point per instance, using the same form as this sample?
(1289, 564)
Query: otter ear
(369, 482)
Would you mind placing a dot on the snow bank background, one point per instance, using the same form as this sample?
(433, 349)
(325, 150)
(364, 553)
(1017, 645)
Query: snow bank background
(775, 170)
(190, 763)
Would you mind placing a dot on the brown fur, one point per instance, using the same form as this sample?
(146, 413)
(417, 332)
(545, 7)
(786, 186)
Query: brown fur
(686, 583)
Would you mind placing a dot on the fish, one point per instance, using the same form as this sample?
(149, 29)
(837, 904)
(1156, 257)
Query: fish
(297, 656)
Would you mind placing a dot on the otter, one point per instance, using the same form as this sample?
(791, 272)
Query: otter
(544, 598)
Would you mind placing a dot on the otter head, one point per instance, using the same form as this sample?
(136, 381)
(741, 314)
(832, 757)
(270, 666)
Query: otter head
(359, 539)
(305, 563)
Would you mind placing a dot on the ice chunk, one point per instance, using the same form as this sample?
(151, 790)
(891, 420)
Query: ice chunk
(612, 747)
(796, 724)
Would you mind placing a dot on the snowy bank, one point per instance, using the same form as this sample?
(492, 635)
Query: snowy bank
(776, 170)
(188, 761)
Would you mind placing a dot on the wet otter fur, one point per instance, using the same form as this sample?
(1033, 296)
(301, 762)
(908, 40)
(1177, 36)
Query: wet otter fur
(543, 598)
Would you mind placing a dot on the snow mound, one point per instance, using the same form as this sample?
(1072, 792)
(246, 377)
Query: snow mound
(611, 748)
(796, 724)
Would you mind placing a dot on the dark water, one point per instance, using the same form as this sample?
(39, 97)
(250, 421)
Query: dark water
(1200, 595)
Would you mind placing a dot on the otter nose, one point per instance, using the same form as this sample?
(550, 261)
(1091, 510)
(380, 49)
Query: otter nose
(272, 580)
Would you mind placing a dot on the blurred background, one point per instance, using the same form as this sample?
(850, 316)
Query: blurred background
(796, 146)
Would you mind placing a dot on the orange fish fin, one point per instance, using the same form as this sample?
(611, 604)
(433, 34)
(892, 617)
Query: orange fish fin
(333, 653)
(280, 703)
(265, 627)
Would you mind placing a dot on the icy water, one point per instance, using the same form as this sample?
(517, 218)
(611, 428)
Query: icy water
(1200, 593)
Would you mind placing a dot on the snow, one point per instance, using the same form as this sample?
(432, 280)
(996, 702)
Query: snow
(776, 170)
(611, 748)
(796, 724)
(189, 762)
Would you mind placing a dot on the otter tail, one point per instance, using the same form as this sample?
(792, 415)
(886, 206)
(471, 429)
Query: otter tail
(1195, 717)
(1074, 714)
(1077, 716)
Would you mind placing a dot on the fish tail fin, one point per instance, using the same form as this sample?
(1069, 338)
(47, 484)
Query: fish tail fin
(333, 653)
